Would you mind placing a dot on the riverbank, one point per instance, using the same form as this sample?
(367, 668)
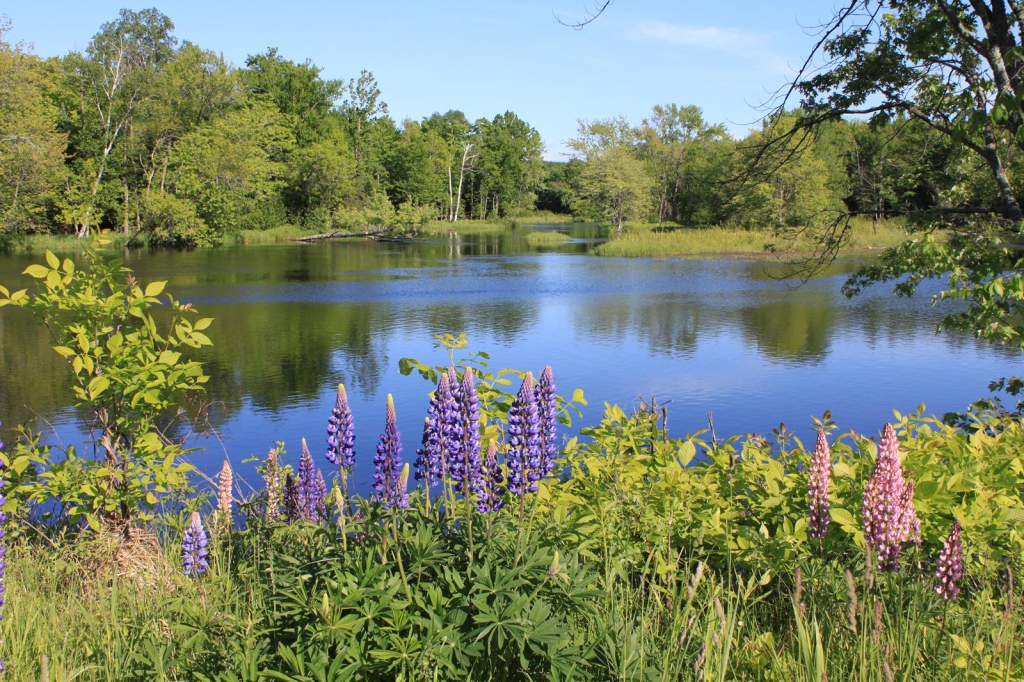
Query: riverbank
(644, 241)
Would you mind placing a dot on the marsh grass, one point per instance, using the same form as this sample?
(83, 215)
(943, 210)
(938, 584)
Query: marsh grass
(443, 227)
(57, 243)
(644, 241)
(281, 233)
(547, 237)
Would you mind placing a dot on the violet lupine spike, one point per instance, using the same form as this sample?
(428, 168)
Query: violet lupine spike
(890, 520)
(320, 499)
(292, 509)
(523, 457)
(547, 406)
(193, 548)
(3, 533)
(951, 565)
(341, 436)
(450, 425)
(428, 462)
(224, 483)
(402, 488)
(491, 495)
(272, 483)
(387, 461)
(817, 488)
(468, 450)
(307, 484)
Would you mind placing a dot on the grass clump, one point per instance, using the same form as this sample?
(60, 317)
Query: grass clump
(643, 241)
(548, 237)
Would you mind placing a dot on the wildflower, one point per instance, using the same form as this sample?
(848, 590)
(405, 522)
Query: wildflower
(890, 520)
(428, 466)
(341, 436)
(465, 467)
(402, 488)
(523, 458)
(307, 485)
(547, 406)
(193, 548)
(3, 550)
(387, 460)
(441, 434)
(319, 506)
(951, 565)
(224, 495)
(490, 493)
(292, 509)
(817, 488)
(272, 483)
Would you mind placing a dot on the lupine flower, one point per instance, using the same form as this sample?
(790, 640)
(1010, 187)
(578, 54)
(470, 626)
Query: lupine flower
(465, 468)
(547, 406)
(402, 488)
(3, 533)
(292, 508)
(817, 488)
(439, 434)
(307, 484)
(890, 520)
(523, 457)
(341, 436)
(319, 498)
(951, 565)
(272, 482)
(224, 495)
(491, 493)
(193, 548)
(387, 461)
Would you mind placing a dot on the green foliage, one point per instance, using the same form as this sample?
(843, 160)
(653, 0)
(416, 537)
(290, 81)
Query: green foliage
(127, 373)
(168, 220)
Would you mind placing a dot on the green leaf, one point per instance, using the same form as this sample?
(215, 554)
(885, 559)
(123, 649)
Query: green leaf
(577, 396)
(97, 386)
(37, 271)
(155, 288)
(52, 260)
(842, 517)
(202, 324)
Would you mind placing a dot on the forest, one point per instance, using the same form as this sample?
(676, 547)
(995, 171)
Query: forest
(165, 142)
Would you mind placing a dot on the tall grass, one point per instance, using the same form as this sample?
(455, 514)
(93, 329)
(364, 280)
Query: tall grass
(57, 243)
(641, 241)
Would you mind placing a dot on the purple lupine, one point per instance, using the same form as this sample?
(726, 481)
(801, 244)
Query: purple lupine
(3, 533)
(951, 565)
(193, 548)
(307, 485)
(491, 494)
(401, 498)
(387, 461)
(272, 483)
(292, 509)
(547, 406)
(341, 435)
(435, 457)
(890, 520)
(320, 498)
(465, 469)
(817, 488)
(428, 465)
(523, 457)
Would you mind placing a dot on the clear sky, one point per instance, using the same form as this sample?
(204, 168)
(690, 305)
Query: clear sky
(490, 56)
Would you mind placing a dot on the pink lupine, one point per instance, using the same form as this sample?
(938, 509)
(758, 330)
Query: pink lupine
(224, 494)
(951, 565)
(890, 520)
(817, 489)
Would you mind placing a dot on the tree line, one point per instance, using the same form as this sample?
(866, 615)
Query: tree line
(170, 144)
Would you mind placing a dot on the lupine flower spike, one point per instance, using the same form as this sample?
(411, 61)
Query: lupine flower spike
(292, 509)
(193, 548)
(434, 455)
(402, 489)
(272, 483)
(341, 436)
(523, 457)
(467, 472)
(320, 498)
(890, 520)
(224, 496)
(817, 489)
(307, 485)
(491, 494)
(387, 461)
(951, 565)
(3, 533)
(547, 406)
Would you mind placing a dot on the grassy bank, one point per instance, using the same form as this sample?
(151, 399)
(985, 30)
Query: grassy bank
(643, 241)
(58, 243)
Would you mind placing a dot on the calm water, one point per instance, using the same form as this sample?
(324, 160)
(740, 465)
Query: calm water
(294, 320)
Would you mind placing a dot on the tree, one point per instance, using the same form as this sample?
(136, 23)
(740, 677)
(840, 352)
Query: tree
(31, 148)
(614, 182)
(509, 165)
(112, 80)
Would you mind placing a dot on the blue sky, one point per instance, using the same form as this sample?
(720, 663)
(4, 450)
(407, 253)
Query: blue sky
(490, 56)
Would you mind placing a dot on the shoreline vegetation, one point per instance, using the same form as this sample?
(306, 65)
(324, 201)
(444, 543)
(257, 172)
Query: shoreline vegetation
(638, 240)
